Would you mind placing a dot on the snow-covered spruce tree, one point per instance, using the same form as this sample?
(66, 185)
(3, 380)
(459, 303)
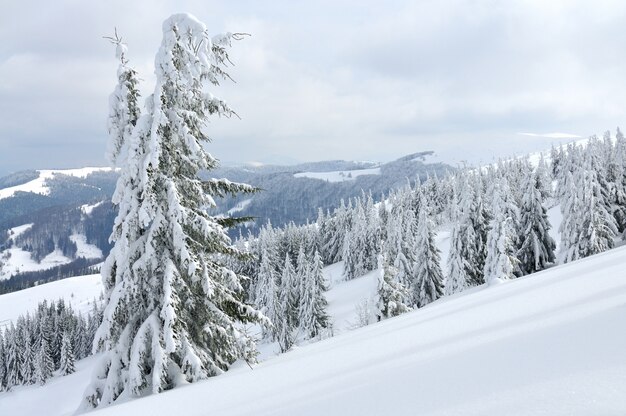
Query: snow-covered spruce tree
(463, 262)
(501, 262)
(349, 255)
(3, 363)
(313, 317)
(393, 297)
(67, 356)
(597, 227)
(267, 294)
(570, 209)
(44, 365)
(536, 246)
(427, 285)
(289, 293)
(303, 268)
(457, 278)
(480, 219)
(124, 108)
(171, 306)
(337, 227)
(616, 175)
(28, 360)
(13, 375)
(287, 320)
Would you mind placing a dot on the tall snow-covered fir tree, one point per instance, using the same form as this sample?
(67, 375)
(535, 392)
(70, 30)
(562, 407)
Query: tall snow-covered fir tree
(3, 363)
(457, 278)
(465, 244)
(501, 262)
(124, 110)
(67, 356)
(267, 293)
(536, 249)
(44, 365)
(312, 314)
(171, 306)
(287, 322)
(392, 296)
(427, 285)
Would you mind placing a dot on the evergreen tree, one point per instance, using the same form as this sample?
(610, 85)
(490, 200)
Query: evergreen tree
(393, 297)
(349, 256)
(290, 292)
(267, 294)
(67, 356)
(597, 228)
(616, 175)
(286, 325)
(501, 262)
(480, 219)
(465, 244)
(124, 108)
(171, 304)
(313, 317)
(334, 241)
(28, 360)
(428, 283)
(536, 247)
(13, 375)
(3, 363)
(45, 364)
(303, 269)
(457, 279)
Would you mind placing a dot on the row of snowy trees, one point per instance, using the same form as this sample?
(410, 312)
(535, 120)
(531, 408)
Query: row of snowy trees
(500, 228)
(592, 193)
(49, 341)
(288, 284)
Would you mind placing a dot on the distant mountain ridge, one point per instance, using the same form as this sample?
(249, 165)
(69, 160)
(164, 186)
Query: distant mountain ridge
(54, 202)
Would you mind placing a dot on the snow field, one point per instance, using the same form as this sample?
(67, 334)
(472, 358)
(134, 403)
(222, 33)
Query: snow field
(338, 176)
(548, 343)
(39, 185)
(16, 260)
(78, 291)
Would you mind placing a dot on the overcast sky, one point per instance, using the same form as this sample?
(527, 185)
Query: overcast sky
(361, 80)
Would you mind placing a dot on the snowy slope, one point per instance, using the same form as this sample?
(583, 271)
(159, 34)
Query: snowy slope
(39, 185)
(16, 260)
(79, 291)
(338, 176)
(552, 343)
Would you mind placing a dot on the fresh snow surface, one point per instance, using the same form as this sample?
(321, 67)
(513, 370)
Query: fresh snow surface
(79, 291)
(39, 185)
(15, 260)
(17, 231)
(338, 176)
(345, 296)
(84, 249)
(550, 344)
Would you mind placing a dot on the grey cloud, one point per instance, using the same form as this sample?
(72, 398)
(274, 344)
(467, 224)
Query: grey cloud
(368, 80)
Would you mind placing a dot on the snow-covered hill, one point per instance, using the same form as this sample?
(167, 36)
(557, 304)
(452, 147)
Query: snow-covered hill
(15, 259)
(338, 176)
(79, 291)
(551, 343)
(40, 184)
